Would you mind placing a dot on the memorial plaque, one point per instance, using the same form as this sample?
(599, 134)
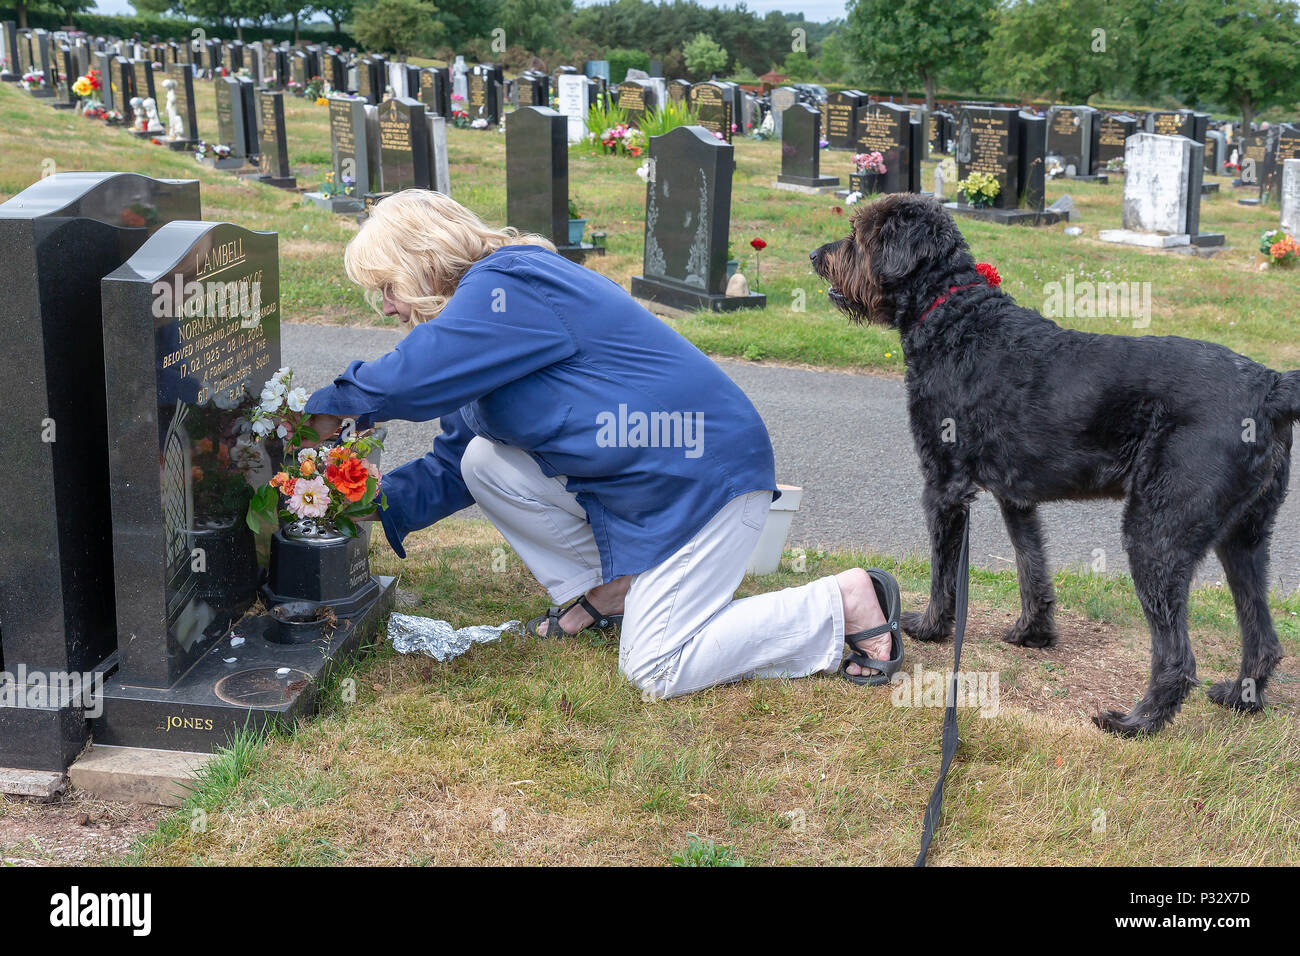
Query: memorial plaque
(354, 155)
(1283, 143)
(1252, 157)
(988, 142)
(1112, 134)
(484, 96)
(840, 116)
(185, 106)
(1291, 195)
(56, 559)
(573, 103)
(712, 105)
(9, 51)
(191, 331)
(885, 128)
(1069, 138)
(403, 145)
(273, 158)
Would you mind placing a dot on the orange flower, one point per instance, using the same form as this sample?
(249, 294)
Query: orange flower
(341, 453)
(203, 445)
(280, 480)
(223, 454)
(196, 473)
(349, 478)
(307, 467)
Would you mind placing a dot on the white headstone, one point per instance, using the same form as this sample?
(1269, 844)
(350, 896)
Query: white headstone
(573, 103)
(1156, 171)
(438, 154)
(397, 80)
(1291, 196)
(459, 81)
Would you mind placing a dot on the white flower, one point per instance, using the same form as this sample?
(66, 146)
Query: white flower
(852, 198)
(307, 453)
(270, 401)
(283, 431)
(283, 375)
(297, 399)
(262, 427)
(643, 171)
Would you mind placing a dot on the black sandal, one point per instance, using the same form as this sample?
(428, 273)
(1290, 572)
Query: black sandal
(603, 623)
(890, 602)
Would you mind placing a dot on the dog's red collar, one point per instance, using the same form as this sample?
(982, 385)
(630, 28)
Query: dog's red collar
(988, 275)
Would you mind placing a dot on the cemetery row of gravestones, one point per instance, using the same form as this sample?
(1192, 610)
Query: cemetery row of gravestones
(144, 335)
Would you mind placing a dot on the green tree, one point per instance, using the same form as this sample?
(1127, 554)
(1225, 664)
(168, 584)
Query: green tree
(902, 41)
(799, 67)
(339, 11)
(533, 24)
(1059, 49)
(1239, 53)
(397, 26)
(704, 57)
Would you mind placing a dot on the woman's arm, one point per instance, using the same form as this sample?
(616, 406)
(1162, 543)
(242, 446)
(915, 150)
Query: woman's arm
(428, 489)
(496, 329)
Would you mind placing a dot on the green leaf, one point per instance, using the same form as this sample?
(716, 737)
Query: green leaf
(346, 525)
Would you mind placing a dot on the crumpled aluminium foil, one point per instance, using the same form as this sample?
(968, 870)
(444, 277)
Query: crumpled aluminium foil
(437, 639)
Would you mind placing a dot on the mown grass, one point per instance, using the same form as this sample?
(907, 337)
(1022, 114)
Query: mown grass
(533, 752)
(1224, 299)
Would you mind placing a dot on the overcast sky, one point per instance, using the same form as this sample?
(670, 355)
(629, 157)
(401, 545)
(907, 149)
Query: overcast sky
(815, 10)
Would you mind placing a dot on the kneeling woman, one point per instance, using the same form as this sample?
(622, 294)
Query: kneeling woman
(628, 472)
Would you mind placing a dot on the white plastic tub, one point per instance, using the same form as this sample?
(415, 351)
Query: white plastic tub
(767, 553)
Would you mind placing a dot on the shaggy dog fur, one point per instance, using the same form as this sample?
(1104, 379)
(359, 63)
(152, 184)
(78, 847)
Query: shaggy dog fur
(1004, 400)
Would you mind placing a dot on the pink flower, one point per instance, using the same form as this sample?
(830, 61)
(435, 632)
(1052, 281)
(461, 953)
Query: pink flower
(310, 498)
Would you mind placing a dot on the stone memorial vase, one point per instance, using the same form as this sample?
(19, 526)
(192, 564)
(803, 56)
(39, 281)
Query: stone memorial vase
(316, 564)
(577, 227)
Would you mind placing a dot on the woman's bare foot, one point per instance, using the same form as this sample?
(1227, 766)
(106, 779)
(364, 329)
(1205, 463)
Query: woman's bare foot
(861, 612)
(606, 598)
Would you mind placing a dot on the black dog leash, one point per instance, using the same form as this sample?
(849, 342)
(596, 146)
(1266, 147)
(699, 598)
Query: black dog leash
(950, 738)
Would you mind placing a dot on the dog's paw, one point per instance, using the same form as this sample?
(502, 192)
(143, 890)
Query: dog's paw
(1228, 693)
(916, 626)
(1031, 635)
(1122, 724)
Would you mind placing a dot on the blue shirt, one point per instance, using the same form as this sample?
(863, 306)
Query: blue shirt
(543, 354)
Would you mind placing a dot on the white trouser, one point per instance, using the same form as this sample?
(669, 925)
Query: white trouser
(681, 631)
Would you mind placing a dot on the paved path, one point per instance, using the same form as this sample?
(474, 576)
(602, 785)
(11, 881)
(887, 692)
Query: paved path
(844, 438)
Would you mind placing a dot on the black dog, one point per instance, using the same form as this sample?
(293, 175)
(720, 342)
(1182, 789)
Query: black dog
(1194, 437)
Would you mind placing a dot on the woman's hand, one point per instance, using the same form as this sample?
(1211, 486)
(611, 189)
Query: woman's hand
(325, 426)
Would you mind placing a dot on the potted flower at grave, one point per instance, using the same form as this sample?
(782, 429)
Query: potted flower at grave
(979, 190)
(577, 225)
(32, 81)
(870, 172)
(1278, 248)
(1115, 165)
(87, 88)
(319, 552)
(732, 262)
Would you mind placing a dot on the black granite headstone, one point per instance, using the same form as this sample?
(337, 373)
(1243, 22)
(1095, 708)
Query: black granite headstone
(355, 158)
(273, 144)
(687, 222)
(712, 105)
(403, 145)
(1112, 132)
(885, 128)
(484, 95)
(1069, 138)
(191, 331)
(1283, 143)
(9, 50)
(537, 177)
(801, 127)
(840, 117)
(988, 142)
(185, 106)
(56, 559)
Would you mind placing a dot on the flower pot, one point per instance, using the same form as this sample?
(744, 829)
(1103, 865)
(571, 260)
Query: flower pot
(319, 565)
(299, 622)
(771, 543)
(866, 183)
(732, 266)
(576, 229)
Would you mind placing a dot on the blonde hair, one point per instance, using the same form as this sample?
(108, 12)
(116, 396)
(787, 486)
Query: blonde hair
(416, 245)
